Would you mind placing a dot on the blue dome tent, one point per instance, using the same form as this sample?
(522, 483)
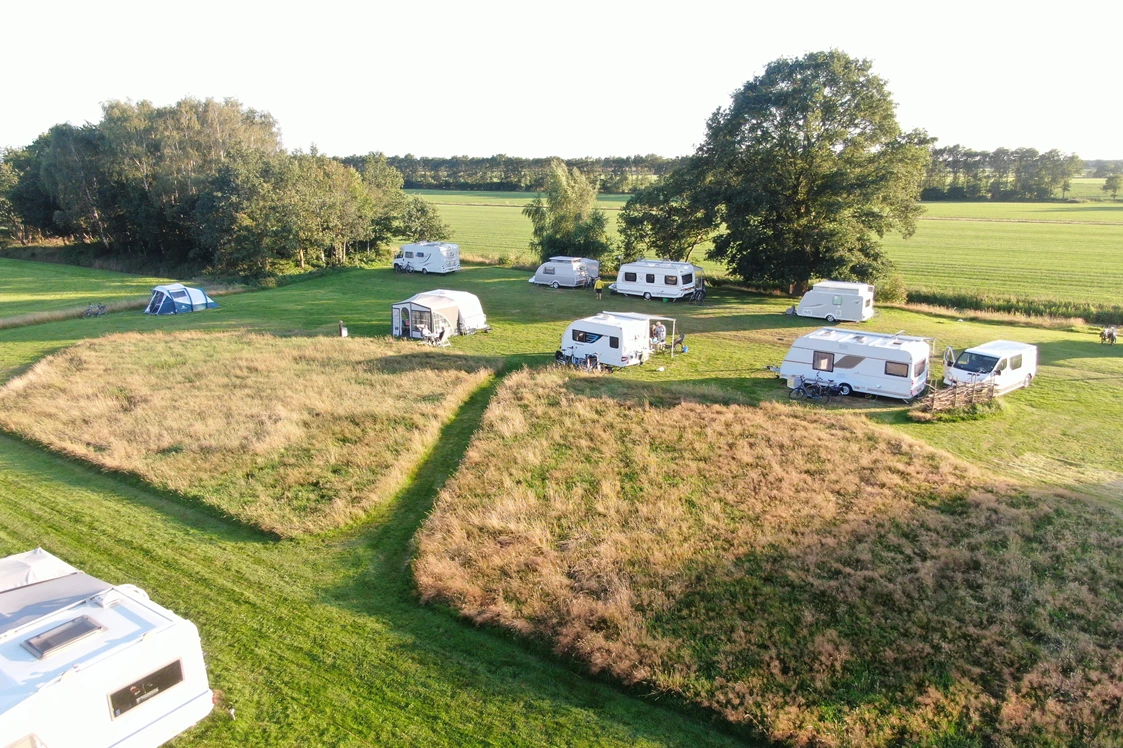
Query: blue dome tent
(177, 298)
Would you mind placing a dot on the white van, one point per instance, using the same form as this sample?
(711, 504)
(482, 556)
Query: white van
(428, 257)
(837, 301)
(87, 664)
(571, 272)
(657, 279)
(1008, 364)
(871, 362)
(617, 340)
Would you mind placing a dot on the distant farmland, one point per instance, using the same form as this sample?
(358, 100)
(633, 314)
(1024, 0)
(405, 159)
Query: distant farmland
(1069, 252)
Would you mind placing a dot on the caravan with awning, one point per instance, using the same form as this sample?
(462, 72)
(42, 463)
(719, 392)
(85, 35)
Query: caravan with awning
(432, 313)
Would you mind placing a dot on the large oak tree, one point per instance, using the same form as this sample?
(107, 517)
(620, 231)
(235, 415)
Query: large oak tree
(806, 170)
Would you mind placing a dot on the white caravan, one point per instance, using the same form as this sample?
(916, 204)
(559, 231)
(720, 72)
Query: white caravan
(657, 279)
(872, 362)
(618, 339)
(86, 664)
(428, 257)
(571, 272)
(1008, 364)
(837, 301)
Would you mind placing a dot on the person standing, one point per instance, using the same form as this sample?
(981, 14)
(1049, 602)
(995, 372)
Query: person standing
(599, 288)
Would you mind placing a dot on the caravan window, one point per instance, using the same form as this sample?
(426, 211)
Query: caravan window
(580, 336)
(869, 301)
(688, 278)
(919, 367)
(822, 361)
(836, 300)
(896, 369)
(651, 277)
(670, 280)
(549, 270)
(409, 255)
(148, 687)
(613, 342)
(630, 277)
(61, 637)
(1015, 362)
(421, 255)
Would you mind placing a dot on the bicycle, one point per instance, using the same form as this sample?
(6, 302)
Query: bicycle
(815, 389)
(698, 296)
(93, 310)
(587, 364)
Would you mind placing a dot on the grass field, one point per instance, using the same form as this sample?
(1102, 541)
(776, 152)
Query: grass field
(320, 641)
(32, 287)
(1069, 252)
(757, 558)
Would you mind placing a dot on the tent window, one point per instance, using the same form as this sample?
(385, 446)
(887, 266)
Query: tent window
(630, 277)
(670, 280)
(179, 294)
(613, 342)
(895, 369)
(821, 361)
(549, 270)
(60, 637)
(687, 279)
(135, 694)
(1016, 362)
(421, 317)
(651, 277)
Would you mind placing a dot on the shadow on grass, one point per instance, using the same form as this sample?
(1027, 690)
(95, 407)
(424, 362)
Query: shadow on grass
(381, 585)
(431, 359)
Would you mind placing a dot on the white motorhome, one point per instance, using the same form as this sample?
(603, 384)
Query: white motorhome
(86, 664)
(837, 301)
(1008, 364)
(570, 272)
(617, 339)
(428, 257)
(657, 279)
(871, 362)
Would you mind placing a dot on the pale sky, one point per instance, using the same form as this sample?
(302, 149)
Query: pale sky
(569, 78)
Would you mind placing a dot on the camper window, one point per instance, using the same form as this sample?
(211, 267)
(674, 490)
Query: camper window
(869, 301)
(1001, 366)
(821, 361)
(836, 300)
(688, 278)
(975, 363)
(919, 367)
(630, 277)
(651, 277)
(895, 369)
(580, 336)
(549, 270)
(137, 693)
(421, 255)
(60, 637)
(613, 342)
(409, 255)
(1015, 362)
(670, 280)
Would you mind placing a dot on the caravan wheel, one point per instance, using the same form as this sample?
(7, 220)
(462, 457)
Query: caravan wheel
(554, 284)
(831, 319)
(424, 271)
(845, 390)
(647, 296)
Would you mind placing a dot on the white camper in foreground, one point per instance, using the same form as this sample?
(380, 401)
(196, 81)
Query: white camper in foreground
(85, 664)
(428, 257)
(872, 362)
(570, 272)
(837, 301)
(1008, 364)
(617, 339)
(657, 279)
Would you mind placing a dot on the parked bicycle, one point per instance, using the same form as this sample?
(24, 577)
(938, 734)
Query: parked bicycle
(819, 390)
(589, 363)
(95, 310)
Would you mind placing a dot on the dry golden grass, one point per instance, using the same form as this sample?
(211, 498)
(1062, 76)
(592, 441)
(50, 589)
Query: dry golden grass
(821, 579)
(294, 435)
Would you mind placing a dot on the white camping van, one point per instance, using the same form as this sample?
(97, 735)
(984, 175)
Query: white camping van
(657, 279)
(872, 362)
(837, 301)
(1009, 365)
(617, 340)
(86, 664)
(571, 272)
(428, 257)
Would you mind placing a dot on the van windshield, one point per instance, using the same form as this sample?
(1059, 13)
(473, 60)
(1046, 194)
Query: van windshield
(975, 363)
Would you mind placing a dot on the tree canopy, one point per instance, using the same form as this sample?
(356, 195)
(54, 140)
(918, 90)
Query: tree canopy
(568, 221)
(804, 172)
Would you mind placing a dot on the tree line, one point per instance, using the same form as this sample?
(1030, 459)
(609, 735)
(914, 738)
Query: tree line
(959, 173)
(205, 183)
(618, 174)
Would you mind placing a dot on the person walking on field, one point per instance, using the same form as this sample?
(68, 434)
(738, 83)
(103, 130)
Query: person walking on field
(599, 288)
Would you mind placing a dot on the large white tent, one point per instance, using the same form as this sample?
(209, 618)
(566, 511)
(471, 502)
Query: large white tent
(457, 312)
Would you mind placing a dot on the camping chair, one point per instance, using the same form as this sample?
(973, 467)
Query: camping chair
(679, 343)
(427, 336)
(441, 340)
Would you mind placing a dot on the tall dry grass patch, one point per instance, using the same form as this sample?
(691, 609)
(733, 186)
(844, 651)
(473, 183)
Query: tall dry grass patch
(823, 580)
(294, 435)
